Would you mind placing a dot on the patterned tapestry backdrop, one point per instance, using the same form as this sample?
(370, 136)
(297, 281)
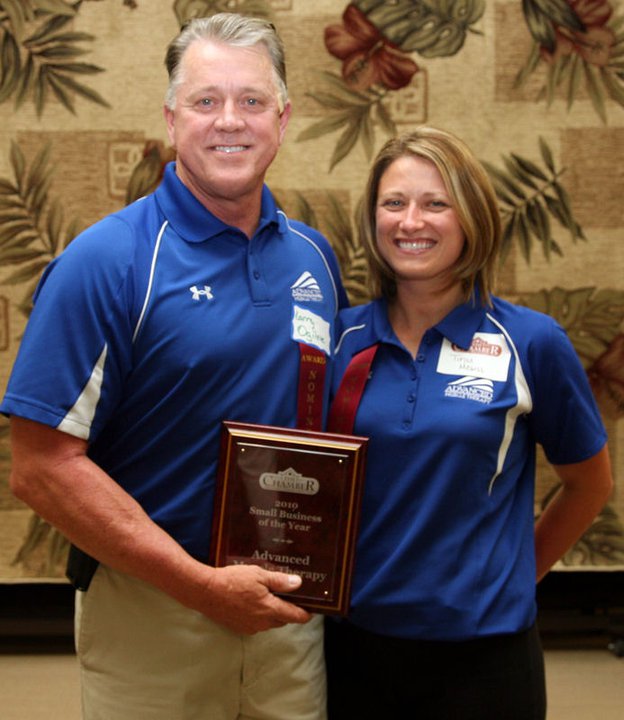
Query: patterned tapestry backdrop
(536, 87)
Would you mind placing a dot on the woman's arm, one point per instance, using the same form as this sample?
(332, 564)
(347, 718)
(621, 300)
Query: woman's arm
(586, 487)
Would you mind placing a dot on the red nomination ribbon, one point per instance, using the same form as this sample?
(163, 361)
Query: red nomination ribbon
(312, 366)
(345, 405)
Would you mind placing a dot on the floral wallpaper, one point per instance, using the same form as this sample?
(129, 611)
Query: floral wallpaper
(536, 87)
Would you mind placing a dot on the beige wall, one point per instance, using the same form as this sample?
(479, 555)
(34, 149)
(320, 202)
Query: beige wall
(461, 77)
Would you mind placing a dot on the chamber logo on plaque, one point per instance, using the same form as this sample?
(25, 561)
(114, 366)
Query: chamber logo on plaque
(289, 481)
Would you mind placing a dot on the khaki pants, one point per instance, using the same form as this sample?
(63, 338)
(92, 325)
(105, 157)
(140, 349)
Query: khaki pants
(144, 656)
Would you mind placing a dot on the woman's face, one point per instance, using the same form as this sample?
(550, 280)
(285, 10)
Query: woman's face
(418, 231)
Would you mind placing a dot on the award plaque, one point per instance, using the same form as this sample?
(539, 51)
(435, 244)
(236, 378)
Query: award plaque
(289, 500)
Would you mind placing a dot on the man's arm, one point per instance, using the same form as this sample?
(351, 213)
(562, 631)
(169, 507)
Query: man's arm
(586, 487)
(52, 473)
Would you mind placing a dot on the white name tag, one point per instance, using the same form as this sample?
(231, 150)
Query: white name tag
(487, 357)
(311, 329)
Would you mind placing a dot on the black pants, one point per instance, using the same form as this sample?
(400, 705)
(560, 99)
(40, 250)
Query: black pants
(382, 678)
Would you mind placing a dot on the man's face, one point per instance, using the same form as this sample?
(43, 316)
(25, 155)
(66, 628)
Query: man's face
(226, 126)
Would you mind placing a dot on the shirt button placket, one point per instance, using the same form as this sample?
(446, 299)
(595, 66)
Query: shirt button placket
(412, 393)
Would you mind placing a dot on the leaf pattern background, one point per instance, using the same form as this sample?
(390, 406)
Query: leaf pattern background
(536, 87)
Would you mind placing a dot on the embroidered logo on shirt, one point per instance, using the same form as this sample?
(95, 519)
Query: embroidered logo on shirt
(306, 288)
(206, 292)
(471, 388)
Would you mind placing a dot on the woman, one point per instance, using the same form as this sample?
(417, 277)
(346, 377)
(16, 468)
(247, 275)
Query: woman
(456, 389)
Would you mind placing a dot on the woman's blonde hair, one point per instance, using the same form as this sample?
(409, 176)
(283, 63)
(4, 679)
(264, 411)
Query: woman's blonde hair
(473, 199)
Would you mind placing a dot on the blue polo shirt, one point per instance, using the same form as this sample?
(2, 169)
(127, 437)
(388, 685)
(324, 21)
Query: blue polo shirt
(446, 549)
(161, 321)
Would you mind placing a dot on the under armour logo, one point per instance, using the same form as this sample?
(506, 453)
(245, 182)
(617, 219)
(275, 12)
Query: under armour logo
(197, 293)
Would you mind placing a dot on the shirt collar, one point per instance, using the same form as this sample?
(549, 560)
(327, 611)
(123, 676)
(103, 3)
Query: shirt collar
(459, 326)
(194, 222)
(381, 328)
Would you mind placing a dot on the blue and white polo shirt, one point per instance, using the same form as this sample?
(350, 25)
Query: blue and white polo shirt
(446, 547)
(159, 322)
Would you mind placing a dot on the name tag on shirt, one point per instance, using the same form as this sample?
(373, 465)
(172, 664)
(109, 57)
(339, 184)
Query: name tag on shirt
(311, 329)
(487, 357)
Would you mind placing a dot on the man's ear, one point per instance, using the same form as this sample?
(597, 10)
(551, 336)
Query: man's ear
(169, 116)
(284, 117)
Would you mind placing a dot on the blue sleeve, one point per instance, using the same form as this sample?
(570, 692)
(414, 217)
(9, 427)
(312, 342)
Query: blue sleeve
(565, 418)
(77, 345)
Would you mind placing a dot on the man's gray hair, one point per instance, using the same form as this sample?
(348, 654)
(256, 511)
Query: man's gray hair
(232, 29)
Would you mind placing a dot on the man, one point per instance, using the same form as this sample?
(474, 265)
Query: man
(156, 324)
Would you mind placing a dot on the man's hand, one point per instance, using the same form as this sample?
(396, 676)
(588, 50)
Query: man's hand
(241, 598)
(52, 473)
